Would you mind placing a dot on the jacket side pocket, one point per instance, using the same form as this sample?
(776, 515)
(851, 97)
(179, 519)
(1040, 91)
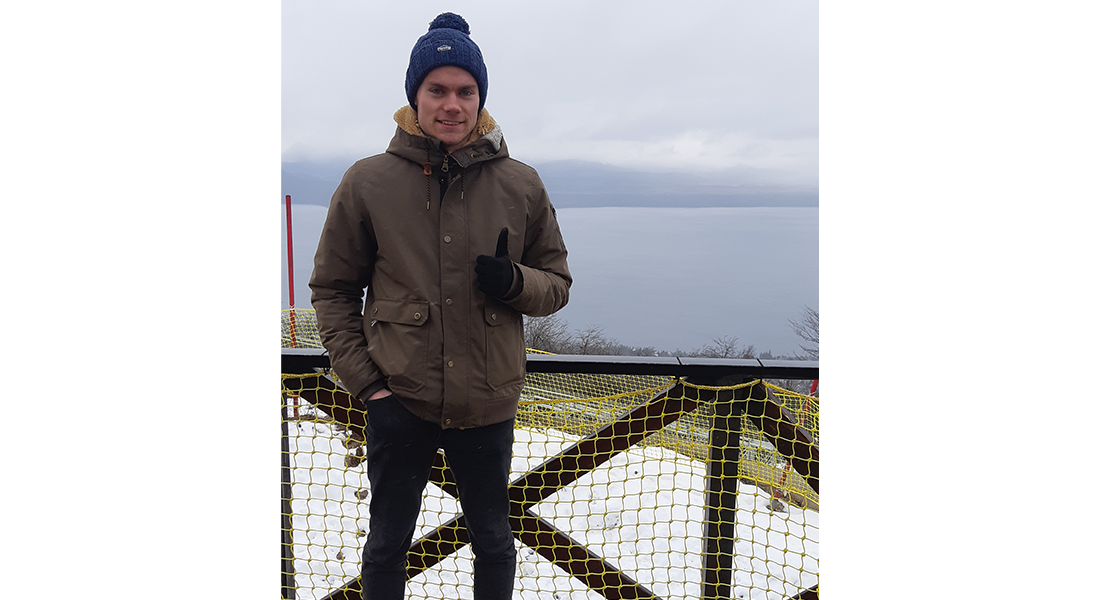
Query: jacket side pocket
(397, 341)
(506, 359)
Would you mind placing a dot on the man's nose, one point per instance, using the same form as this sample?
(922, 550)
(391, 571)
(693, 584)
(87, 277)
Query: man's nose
(451, 102)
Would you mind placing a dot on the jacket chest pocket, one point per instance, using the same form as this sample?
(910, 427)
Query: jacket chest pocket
(505, 356)
(397, 341)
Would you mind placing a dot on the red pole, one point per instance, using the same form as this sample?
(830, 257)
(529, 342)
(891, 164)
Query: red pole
(290, 278)
(290, 272)
(290, 252)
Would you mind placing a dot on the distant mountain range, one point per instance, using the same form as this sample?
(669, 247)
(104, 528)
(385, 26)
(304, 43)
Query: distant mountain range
(575, 184)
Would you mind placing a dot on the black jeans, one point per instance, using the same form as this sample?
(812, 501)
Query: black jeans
(400, 452)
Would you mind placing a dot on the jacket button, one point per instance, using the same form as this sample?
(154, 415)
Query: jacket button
(447, 239)
(494, 316)
(449, 302)
(447, 422)
(416, 316)
(450, 363)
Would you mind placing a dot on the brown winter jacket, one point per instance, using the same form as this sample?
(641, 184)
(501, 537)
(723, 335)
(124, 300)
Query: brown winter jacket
(453, 355)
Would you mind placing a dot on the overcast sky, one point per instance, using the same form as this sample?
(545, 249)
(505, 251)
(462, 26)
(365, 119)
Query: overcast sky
(681, 85)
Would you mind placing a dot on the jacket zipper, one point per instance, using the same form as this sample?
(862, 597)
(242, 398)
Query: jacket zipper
(444, 181)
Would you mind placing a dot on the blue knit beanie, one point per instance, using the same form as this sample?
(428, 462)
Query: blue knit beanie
(447, 43)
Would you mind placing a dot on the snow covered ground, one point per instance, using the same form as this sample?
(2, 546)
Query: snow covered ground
(642, 511)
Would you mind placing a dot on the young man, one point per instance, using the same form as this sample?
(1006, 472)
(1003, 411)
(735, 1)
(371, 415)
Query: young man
(453, 241)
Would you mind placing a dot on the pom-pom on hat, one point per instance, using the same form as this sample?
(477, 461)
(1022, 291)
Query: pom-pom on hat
(447, 43)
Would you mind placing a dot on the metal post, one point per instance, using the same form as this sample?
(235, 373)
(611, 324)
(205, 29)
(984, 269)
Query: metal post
(723, 466)
(288, 586)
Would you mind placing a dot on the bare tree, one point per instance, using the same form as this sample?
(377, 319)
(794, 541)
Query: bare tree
(725, 347)
(549, 334)
(592, 341)
(806, 327)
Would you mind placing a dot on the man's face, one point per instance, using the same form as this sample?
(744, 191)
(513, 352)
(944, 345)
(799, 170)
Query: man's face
(446, 106)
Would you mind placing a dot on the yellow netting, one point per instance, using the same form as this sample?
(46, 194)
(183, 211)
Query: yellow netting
(643, 511)
(299, 327)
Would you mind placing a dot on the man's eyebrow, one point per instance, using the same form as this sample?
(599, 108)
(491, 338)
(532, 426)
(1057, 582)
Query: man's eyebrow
(441, 84)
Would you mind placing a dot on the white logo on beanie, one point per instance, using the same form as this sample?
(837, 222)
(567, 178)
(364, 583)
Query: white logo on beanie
(443, 48)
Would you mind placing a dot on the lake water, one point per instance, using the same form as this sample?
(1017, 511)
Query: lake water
(671, 278)
(679, 278)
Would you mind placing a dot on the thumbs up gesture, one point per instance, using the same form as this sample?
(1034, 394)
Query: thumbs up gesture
(494, 273)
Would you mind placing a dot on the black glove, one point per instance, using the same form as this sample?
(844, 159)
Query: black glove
(494, 273)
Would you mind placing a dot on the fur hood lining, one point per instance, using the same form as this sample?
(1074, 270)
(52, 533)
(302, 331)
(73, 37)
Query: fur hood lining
(486, 127)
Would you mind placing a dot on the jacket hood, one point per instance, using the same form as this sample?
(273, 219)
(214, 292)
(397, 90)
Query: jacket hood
(486, 133)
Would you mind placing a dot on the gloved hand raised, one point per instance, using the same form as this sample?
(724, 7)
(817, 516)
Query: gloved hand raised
(494, 273)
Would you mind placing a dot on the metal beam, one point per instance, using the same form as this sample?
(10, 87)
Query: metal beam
(550, 542)
(580, 562)
(552, 475)
(720, 520)
(791, 440)
(598, 448)
(324, 393)
(307, 360)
